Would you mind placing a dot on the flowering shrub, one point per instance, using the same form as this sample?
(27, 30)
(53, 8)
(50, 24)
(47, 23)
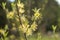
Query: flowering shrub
(19, 20)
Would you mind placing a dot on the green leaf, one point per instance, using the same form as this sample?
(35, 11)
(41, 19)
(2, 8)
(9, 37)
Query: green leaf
(54, 28)
(3, 4)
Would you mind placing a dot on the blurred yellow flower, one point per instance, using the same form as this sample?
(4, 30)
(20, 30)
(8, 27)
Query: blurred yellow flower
(37, 14)
(29, 32)
(10, 14)
(21, 5)
(23, 18)
(21, 10)
(23, 28)
(34, 26)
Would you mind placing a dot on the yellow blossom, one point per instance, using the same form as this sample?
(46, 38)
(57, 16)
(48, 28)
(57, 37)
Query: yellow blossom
(21, 10)
(21, 5)
(36, 14)
(22, 28)
(23, 18)
(29, 32)
(10, 14)
(34, 26)
(25, 27)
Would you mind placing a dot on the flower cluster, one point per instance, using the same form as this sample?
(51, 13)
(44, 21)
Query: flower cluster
(37, 14)
(21, 7)
(19, 19)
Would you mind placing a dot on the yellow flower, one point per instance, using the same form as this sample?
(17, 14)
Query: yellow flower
(29, 32)
(37, 14)
(21, 10)
(21, 5)
(23, 18)
(34, 26)
(10, 14)
(24, 28)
